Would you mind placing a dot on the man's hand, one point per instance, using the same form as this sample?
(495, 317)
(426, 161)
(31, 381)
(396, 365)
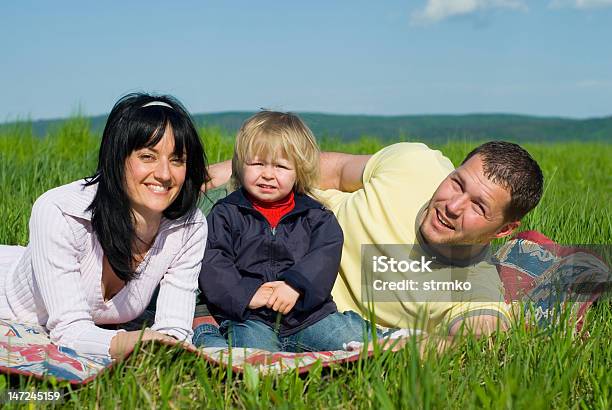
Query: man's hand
(261, 297)
(283, 298)
(219, 174)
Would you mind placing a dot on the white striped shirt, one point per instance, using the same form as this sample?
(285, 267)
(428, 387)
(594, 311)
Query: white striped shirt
(57, 280)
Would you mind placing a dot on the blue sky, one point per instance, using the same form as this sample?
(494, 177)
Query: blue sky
(549, 57)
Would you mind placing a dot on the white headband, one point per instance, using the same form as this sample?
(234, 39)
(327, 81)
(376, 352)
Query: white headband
(160, 103)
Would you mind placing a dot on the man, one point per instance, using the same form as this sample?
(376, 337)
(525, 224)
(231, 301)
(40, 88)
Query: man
(409, 194)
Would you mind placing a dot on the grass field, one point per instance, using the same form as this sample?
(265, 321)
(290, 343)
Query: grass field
(518, 369)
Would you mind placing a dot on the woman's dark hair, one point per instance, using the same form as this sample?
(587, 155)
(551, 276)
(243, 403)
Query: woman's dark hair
(132, 124)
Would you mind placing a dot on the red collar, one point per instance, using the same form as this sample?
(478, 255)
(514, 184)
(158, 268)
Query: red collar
(274, 211)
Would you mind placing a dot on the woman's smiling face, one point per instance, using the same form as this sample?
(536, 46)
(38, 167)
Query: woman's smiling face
(154, 177)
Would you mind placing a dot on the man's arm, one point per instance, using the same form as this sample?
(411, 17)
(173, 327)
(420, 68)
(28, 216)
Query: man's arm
(479, 326)
(340, 171)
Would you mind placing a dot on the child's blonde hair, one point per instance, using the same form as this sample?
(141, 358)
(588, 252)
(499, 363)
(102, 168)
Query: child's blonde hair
(269, 132)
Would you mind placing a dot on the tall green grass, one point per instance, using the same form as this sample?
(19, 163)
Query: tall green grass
(523, 368)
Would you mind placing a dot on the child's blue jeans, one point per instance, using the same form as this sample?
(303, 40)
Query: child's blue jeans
(329, 333)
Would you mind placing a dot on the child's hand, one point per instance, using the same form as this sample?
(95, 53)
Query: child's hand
(260, 298)
(283, 298)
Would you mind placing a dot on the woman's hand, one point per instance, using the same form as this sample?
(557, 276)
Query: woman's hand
(123, 343)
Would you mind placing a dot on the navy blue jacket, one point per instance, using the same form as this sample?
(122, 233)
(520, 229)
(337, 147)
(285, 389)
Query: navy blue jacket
(243, 252)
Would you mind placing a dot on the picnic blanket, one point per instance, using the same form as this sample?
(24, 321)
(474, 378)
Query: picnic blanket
(26, 349)
(532, 268)
(552, 281)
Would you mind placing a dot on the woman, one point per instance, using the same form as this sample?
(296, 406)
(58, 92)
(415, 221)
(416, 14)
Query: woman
(100, 246)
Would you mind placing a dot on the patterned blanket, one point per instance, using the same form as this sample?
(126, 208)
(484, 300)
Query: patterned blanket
(552, 281)
(26, 349)
(532, 268)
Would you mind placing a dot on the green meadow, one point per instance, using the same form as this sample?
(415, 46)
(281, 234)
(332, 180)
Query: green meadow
(522, 368)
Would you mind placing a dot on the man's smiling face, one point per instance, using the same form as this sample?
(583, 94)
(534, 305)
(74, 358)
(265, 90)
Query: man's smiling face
(467, 208)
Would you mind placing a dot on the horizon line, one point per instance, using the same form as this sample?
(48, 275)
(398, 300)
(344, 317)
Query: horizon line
(336, 114)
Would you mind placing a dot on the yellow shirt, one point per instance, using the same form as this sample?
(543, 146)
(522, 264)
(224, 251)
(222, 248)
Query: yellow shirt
(398, 182)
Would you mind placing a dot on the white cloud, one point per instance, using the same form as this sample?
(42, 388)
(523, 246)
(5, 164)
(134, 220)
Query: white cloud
(581, 4)
(438, 10)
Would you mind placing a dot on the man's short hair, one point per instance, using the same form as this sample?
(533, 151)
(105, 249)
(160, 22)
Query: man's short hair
(511, 167)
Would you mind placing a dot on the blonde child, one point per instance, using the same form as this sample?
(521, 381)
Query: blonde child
(273, 251)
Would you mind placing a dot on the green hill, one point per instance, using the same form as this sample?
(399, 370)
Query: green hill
(410, 127)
